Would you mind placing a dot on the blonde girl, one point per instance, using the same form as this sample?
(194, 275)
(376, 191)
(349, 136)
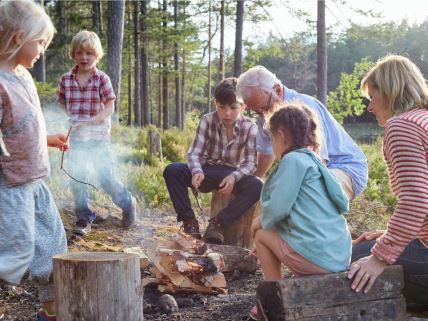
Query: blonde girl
(30, 226)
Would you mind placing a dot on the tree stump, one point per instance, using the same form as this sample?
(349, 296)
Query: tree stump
(98, 286)
(239, 233)
(329, 297)
(154, 141)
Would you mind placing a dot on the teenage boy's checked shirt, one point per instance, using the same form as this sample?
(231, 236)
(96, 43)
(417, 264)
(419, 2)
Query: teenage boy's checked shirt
(210, 146)
(85, 101)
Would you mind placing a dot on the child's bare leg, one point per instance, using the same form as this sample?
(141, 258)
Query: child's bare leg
(267, 250)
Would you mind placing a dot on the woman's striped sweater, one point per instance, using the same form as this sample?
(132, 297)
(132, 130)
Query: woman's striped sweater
(405, 150)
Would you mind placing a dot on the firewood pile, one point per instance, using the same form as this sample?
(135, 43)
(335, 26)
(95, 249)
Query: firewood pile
(185, 264)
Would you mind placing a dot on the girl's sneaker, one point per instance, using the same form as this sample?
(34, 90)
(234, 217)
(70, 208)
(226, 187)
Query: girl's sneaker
(254, 313)
(42, 315)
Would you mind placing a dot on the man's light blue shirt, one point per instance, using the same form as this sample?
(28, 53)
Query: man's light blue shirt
(338, 149)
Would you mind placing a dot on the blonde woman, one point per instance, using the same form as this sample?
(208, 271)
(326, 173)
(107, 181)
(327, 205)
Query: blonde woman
(31, 231)
(399, 99)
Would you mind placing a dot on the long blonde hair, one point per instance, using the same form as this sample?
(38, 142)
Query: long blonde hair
(399, 81)
(22, 16)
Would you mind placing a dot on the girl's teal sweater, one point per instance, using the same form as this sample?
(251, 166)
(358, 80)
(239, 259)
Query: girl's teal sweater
(305, 203)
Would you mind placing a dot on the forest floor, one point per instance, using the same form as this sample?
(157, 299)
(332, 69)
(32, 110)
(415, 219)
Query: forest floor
(21, 303)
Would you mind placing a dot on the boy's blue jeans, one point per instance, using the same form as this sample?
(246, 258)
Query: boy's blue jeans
(414, 260)
(178, 179)
(91, 161)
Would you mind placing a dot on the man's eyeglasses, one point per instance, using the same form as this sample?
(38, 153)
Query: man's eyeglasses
(252, 114)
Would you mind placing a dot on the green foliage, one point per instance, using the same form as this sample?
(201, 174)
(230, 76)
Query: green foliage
(346, 99)
(149, 180)
(175, 142)
(378, 188)
(46, 91)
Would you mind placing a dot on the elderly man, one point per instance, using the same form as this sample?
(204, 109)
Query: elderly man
(261, 90)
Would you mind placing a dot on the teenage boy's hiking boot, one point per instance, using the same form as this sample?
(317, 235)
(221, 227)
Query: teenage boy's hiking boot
(128, 216)
(191, 227)
(215, 232)
(82, 228)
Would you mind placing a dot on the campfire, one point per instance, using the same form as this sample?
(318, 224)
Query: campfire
(185, 264)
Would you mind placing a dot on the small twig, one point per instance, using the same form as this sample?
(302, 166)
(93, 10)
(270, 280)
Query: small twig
(195, 192)
(75, 179)
(63, 169)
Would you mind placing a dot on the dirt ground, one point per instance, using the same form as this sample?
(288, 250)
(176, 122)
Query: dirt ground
(21, 303)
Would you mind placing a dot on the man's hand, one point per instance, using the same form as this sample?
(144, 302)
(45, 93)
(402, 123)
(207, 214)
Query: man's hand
(197, 179)
(227, 184)
(367, 236)
(256, 225)
(365, 272)
(59, 141)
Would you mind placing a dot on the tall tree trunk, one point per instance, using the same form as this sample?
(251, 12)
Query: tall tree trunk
(321, 54)
(178, 118)
(160, 98)
(40, 65)
(183, 72)
(116, 12)
(145, 66)
(96, 16)
(165, 89)
(137, 66)
(221, 53)
(209, 56)
(238, 37)
(130, 72)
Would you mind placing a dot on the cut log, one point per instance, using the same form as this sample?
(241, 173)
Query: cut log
(189, 243)
(144, 259)
(184, 262)
(235, 258)
(330, 297)
(239, 233)
(98, 286)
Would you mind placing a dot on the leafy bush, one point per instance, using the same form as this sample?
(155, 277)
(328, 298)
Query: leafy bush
(378, 188)
(46, 92)
(176, 142)
(346, 99)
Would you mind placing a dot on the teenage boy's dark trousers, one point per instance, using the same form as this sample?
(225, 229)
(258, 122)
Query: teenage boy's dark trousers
(414, 260)
(178, 179)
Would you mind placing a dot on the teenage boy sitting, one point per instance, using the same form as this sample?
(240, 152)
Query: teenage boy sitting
(222, 157)
(87, 95)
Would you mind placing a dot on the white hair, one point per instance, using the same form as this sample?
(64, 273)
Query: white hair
(22, 16)
(256, 77)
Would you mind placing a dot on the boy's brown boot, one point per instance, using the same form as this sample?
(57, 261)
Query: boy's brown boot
(191, 227)
(215, 232)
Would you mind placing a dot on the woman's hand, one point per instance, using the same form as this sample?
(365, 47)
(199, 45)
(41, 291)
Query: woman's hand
(256, 225)
(59, 141)
(365, 272)
(367, 236)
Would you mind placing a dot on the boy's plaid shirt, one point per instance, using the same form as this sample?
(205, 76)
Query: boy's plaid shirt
(210, 146)
(85, 102)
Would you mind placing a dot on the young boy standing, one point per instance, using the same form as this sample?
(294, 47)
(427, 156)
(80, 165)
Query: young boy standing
(222, 157)
(87, 96)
